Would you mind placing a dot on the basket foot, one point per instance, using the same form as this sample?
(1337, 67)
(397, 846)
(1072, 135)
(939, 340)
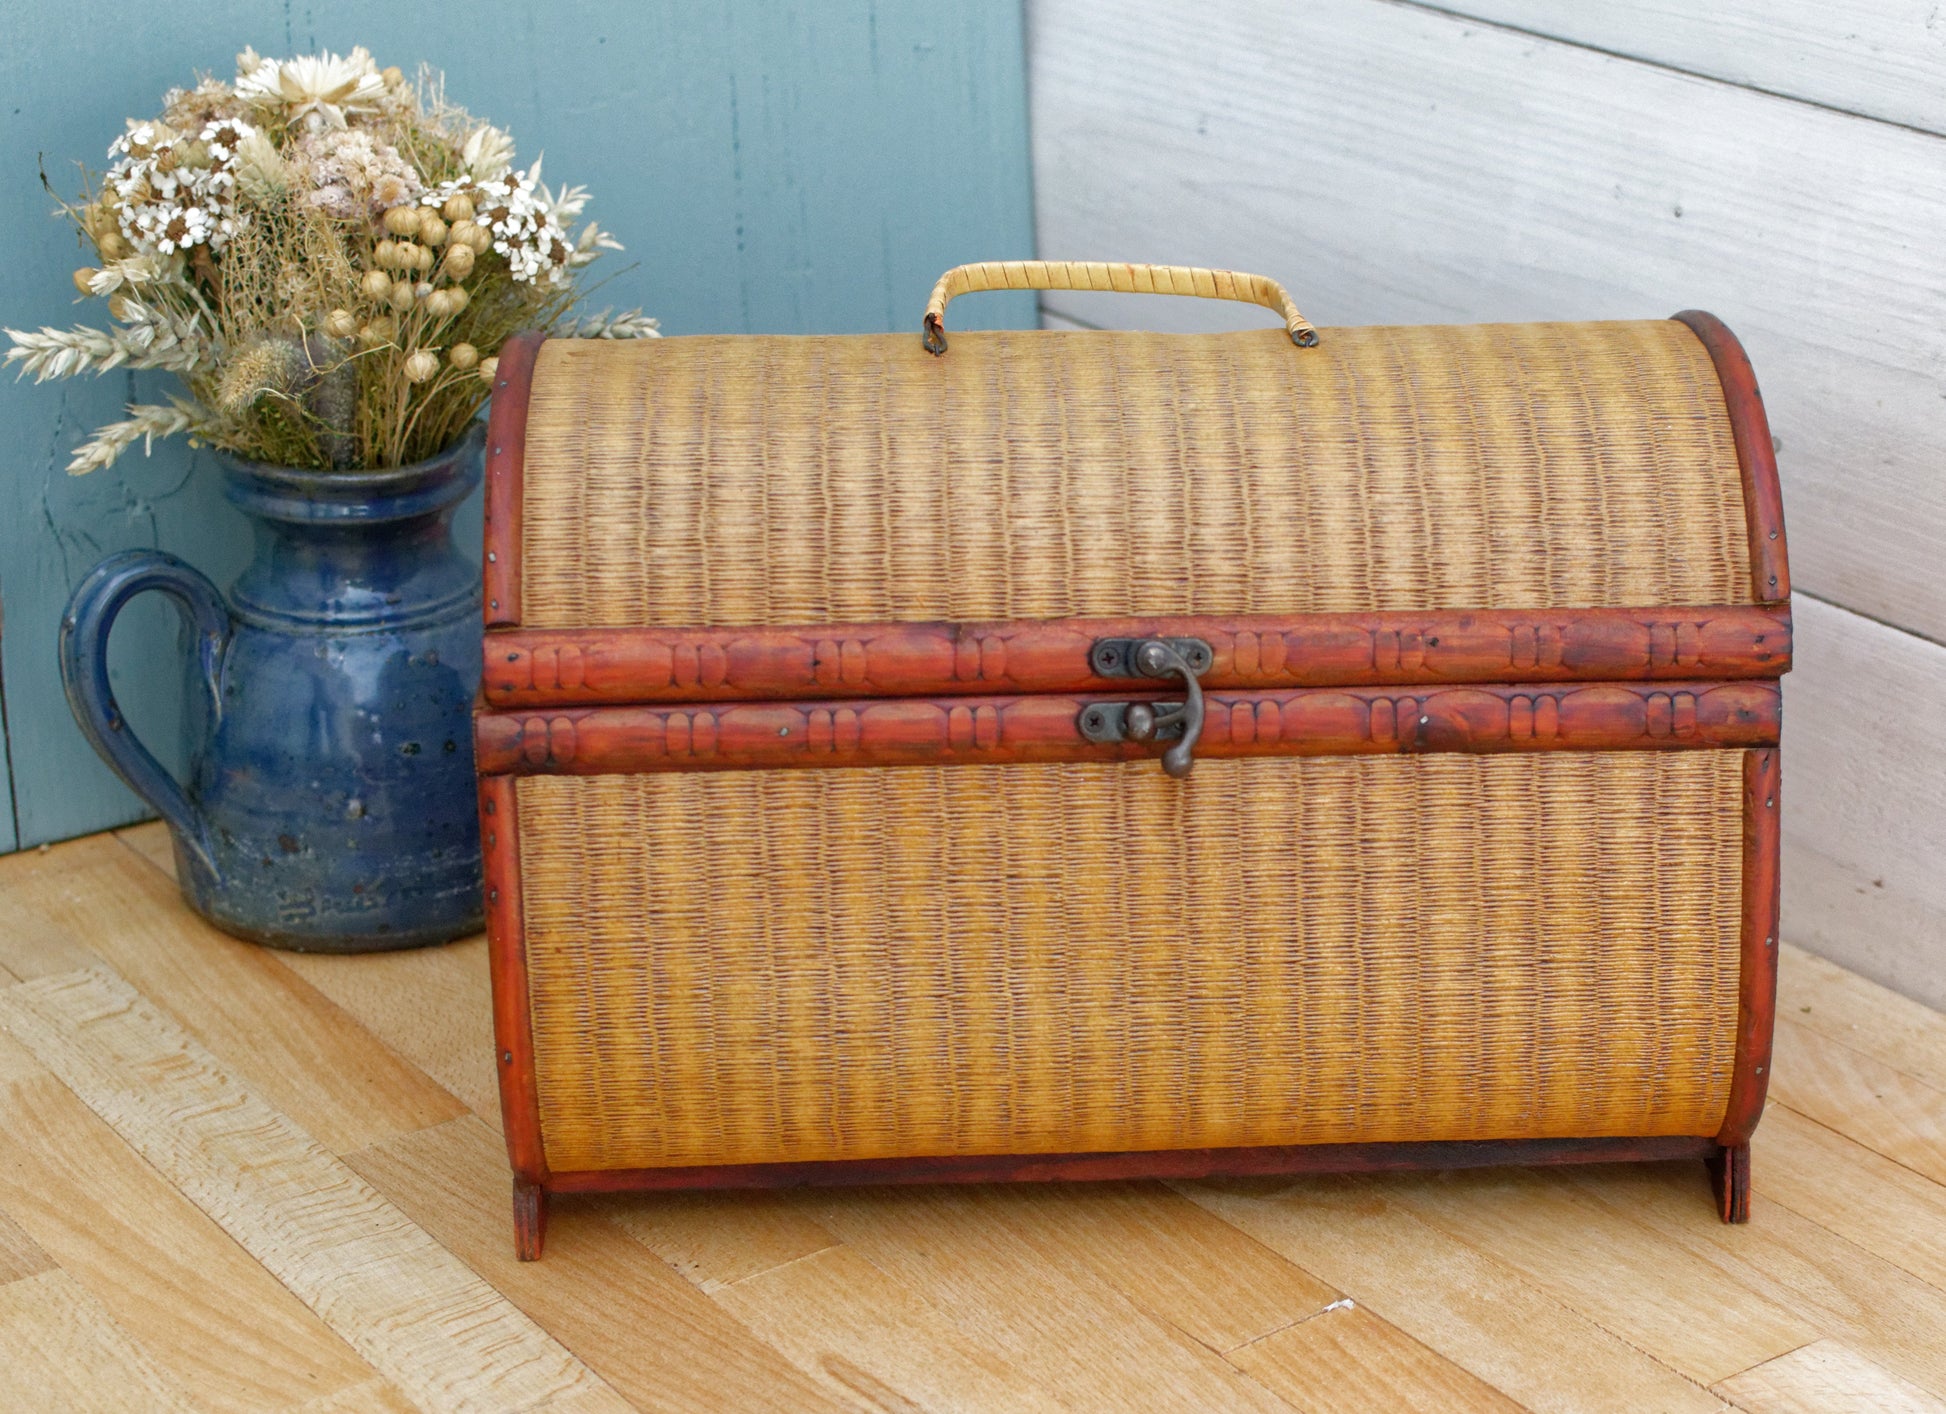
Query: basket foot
(1730, 1176)
(530, 1220)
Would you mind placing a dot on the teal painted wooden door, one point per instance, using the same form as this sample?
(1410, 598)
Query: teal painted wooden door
(787, 168)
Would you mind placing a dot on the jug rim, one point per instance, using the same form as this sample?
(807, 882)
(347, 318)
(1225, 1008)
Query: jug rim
(302, 494)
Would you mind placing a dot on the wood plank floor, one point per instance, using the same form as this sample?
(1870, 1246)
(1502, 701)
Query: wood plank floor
(234, 1179)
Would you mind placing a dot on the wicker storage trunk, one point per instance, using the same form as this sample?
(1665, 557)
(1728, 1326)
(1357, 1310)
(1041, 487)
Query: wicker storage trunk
(842, 696)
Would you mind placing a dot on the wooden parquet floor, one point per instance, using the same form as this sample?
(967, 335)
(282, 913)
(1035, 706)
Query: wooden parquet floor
(233, 1179)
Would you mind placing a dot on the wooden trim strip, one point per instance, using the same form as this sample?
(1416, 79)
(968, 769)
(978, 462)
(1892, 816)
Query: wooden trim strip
(1043, 728)
(1763, 496)
(513, 1024)
(1155, 1163)
(513, 382)
(560, 667)
(1757, 989)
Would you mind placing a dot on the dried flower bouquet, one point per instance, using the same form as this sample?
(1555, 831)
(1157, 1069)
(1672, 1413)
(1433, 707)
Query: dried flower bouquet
(329, 255)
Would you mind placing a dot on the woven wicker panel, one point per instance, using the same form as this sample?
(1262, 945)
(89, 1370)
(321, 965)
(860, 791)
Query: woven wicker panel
(734, 481)
(756, 966)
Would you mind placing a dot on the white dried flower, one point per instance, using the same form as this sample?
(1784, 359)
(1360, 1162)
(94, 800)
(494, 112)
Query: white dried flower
(517, 221)
(133, 270)
(171, 193)
(354, 175)
(488, 153)
(318, 90)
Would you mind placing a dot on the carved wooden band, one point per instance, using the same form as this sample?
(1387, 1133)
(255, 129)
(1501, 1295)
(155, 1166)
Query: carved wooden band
(1103, 275)
(969, 730)
(566, 666)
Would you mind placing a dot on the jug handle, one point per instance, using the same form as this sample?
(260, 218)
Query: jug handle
(85, 627)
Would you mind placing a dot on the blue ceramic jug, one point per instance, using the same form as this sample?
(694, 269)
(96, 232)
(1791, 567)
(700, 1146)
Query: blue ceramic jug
(329, 802)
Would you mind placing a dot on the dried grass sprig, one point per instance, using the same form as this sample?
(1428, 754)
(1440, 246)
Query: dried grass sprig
(145, 423)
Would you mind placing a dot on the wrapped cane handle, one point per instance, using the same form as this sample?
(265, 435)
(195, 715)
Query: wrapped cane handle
(1099, 275)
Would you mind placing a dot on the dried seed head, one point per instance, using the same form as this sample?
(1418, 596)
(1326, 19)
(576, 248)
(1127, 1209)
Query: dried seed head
(459, 258)
(382, 330)
(403, 220)
(83, 276)
(340, 324)
(401, 297)
(437, 306)
(423, 257)
(118, 306)
(447, 302)
(392, 75)
(113, 245)
(432, 230)
(463, 356)
(489, 367)
(421, 366)
(458, 208)
(386, 254)
(376, 284)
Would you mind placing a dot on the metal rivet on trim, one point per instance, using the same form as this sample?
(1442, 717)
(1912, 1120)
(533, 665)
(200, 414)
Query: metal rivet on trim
(1760, 1070)
(496, 603)
(492, 558)
(506, 1058)
(1773, 535)
(1769, 803)
(1770, 942)
(493, 895)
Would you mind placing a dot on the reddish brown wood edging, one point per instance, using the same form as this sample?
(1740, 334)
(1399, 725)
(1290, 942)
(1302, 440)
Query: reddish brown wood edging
(1043, 728)
(506, 453)
(1155, 1163)
(561, 667)
(513, 1030)
(1757, 989)
(1763, 497)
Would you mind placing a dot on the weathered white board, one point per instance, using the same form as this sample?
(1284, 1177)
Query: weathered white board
(1882, 58)
(1865, 799)
(1395, 164)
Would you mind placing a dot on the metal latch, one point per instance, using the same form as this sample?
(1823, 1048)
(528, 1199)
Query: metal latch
(1180, 723)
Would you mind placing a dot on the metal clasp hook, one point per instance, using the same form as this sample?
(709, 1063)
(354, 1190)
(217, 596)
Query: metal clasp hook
(1178, 722)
